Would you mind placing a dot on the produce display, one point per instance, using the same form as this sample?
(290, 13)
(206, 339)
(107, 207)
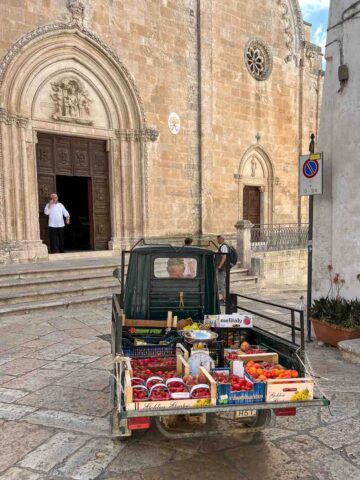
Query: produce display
(238, 384)
(262, 371)
(154, 362)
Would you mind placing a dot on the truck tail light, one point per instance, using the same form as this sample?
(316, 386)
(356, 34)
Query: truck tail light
(139, 423)
(285, 412)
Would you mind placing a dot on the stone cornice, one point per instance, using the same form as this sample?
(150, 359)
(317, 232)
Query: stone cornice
(13, 118)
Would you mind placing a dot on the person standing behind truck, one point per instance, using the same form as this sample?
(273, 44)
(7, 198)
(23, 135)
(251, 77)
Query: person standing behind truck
(190, 263)
(223, 250)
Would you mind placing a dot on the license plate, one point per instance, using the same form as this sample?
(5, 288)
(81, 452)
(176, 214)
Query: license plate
(245, 414)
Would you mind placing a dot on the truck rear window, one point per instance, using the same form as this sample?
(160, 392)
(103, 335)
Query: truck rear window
(175, 267)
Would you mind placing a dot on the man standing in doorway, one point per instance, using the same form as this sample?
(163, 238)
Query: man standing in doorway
(56, 213)
(221, 268)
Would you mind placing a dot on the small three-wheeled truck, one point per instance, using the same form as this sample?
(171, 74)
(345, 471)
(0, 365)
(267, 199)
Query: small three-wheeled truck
(165, 286)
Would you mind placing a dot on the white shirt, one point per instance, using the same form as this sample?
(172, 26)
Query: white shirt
(56, 214)
(224, 248)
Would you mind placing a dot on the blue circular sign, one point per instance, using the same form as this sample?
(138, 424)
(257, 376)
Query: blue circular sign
(310, 168)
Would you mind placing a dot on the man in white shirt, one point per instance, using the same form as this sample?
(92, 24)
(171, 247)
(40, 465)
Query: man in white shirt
(221, 271)
(56, 213)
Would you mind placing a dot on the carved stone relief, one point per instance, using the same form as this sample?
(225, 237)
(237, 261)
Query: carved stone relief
(71, 101)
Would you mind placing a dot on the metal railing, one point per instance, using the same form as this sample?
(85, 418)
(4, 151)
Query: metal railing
(279, 237)
(289, 323)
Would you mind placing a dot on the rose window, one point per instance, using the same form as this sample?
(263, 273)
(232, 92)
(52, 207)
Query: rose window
(258, 59)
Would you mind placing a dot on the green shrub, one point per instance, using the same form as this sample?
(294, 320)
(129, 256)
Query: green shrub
(337, 311)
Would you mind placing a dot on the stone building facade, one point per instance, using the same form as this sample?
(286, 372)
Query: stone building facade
(159, 118)
(337, 211)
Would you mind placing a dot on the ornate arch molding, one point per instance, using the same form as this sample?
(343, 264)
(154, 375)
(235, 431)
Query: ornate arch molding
(70, 47)
(74, 27)
(294, 28)
(256, 169)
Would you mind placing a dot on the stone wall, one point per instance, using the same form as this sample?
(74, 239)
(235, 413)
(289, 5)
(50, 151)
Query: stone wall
(285, 268)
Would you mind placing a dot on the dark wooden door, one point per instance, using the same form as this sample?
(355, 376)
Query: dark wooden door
(251, 205)
(80, 157)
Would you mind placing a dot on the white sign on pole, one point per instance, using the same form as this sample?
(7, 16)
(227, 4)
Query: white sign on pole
(311, 174)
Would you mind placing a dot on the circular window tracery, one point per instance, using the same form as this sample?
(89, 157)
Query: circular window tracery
(258, 59)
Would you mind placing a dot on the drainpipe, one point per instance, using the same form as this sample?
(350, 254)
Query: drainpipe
(199, 118)
(301, 109)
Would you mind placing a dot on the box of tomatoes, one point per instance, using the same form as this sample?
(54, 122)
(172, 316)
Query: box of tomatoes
(166, 388)
(234, 389)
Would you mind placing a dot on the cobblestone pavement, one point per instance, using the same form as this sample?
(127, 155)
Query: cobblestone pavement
(54, 416)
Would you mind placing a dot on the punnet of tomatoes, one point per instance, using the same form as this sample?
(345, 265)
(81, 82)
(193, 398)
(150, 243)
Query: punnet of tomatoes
(263, 371)
(238, 384)
(200, 391)
(140, 393)
(154, 362)
(159, 392)
(145, 373)
(176, 385)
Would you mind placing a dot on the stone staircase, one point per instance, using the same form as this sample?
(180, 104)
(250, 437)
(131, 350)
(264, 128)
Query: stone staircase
(59, 283)
(242, 282)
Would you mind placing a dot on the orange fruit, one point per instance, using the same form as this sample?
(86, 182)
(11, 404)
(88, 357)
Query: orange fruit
(260, 371)
(275, 372)
(252, 370)
(261, 377)
(294, 374)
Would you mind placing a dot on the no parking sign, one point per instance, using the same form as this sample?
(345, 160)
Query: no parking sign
(311, 174)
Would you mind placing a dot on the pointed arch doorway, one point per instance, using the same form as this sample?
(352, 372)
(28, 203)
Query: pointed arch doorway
(255, 187)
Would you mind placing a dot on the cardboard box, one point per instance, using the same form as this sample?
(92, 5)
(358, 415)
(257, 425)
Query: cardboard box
(226, 397)
(284, 390)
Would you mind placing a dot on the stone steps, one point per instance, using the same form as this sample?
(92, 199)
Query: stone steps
(242, 282)
(57, 284)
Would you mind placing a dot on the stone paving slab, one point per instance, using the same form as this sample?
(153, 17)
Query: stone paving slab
(10, 411)
(53, 352)
(89, 379)
(9, 395)
(99, 348)
(19, 366)
(90, 461)
(18, 439)
(339, 434)
(353, 453)
(6, 378)
(73, 357)
(88, 425)
(59, 365)
(69, 399)
(53, 452)
(16, 473)
(35, 380)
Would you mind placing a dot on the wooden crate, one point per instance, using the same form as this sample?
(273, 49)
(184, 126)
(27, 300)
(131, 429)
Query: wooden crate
(284, 389)
(259, 357)
(182, 370)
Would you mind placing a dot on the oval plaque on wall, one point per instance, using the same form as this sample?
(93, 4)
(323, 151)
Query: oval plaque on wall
(174, 123)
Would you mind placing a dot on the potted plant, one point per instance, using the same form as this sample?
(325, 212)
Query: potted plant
(335, 318)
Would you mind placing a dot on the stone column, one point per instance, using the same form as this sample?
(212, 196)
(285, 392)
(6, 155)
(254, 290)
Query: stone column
(243, 242)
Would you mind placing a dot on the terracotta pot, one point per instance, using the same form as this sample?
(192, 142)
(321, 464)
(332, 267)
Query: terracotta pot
(332, 334)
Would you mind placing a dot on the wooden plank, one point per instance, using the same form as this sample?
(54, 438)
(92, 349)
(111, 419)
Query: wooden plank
(146, 323)
(211, 381)
(182, 367)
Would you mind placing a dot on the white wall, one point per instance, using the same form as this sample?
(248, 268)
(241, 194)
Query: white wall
(337, 211)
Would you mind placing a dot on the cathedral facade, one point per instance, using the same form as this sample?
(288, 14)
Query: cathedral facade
(151, 119)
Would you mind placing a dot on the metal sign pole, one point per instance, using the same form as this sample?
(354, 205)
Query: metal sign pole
(310, 248)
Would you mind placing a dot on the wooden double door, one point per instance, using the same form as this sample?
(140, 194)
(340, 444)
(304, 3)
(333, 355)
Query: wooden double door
(77, 170)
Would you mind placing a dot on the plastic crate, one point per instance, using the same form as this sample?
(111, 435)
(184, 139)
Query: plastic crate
(224, 395)
(143, 351)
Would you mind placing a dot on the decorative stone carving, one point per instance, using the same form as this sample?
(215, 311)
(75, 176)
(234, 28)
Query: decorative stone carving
(258, 59)
(76, 9)
(13, 118)
(253, 166)
(71, 101)
(294, 28)
(311, 53)
(144, 135)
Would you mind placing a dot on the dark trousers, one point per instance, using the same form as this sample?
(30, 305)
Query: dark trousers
(56, 237)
